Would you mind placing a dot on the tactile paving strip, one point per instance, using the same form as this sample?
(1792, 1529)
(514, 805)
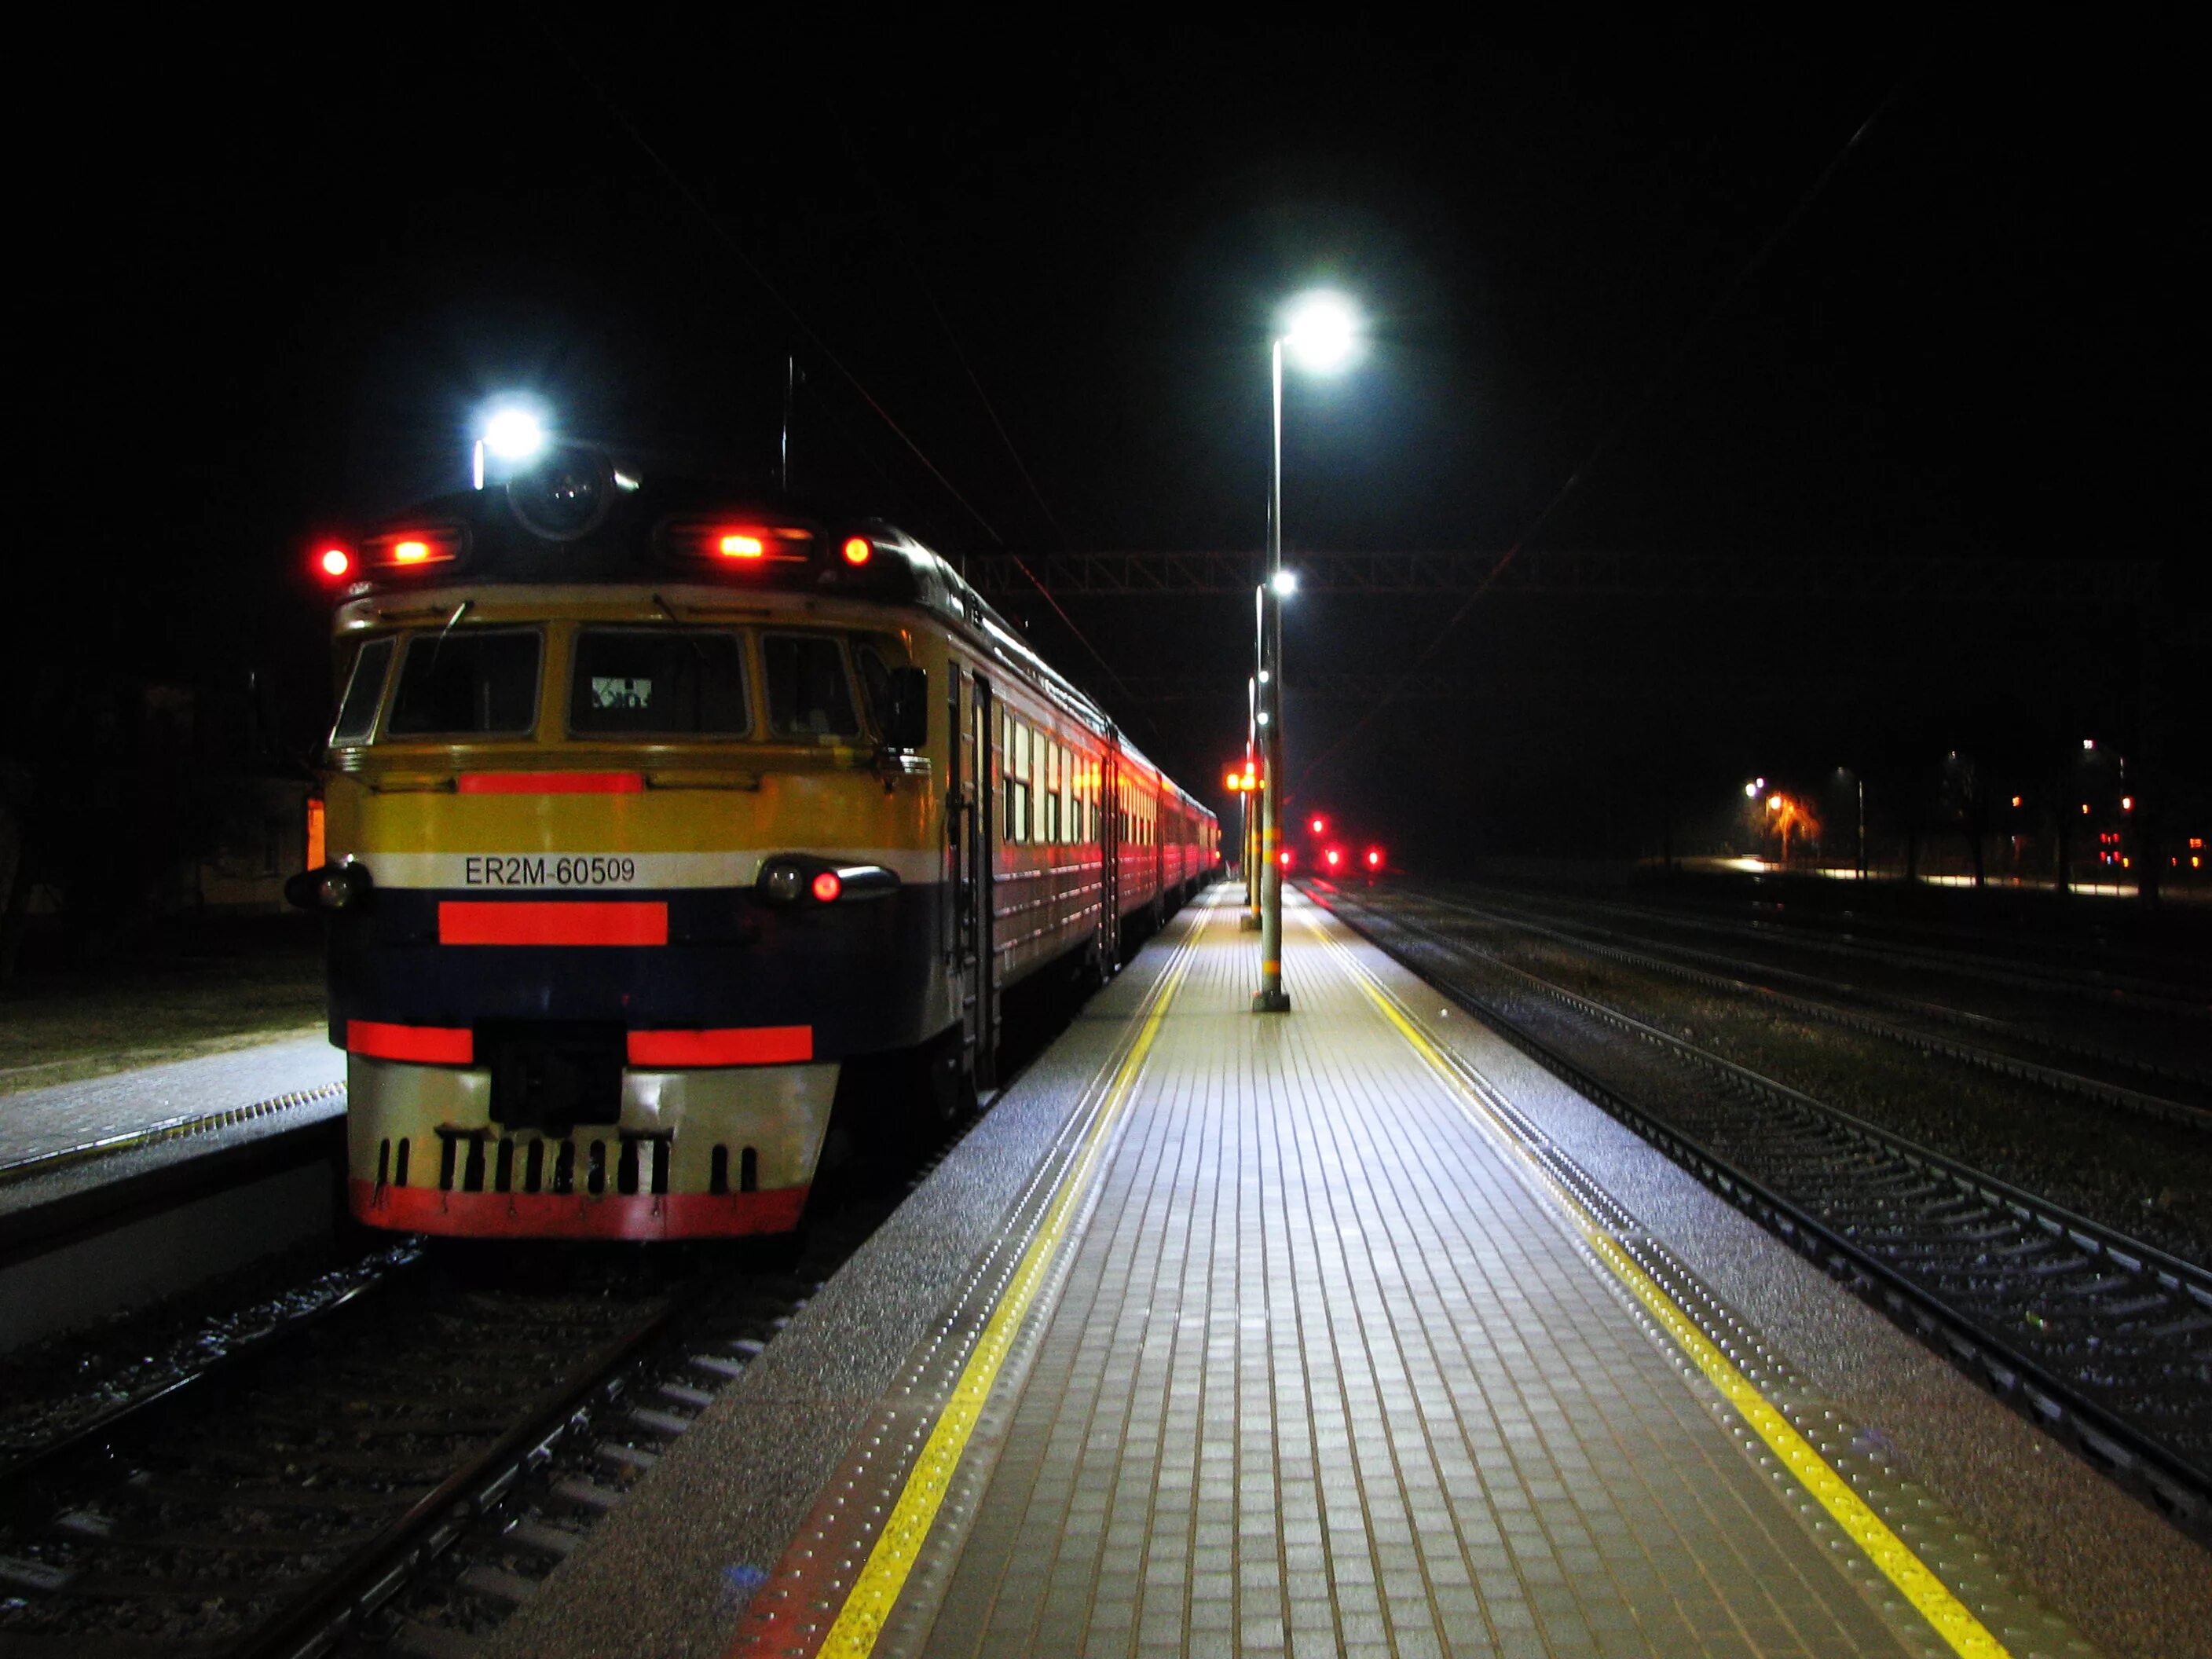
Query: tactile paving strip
(800, 1602)
(2027, 1629)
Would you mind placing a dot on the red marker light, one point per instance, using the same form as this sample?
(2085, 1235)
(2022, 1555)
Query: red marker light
(857, 550)
(1320, 826)
(827, 886)
(335, 561)
(1335, 857)
(1282, 858)
(1375, 857)
(740, 545)
(411, 552)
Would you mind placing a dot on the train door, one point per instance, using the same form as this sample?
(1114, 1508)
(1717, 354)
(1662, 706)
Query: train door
(974, 859)
(1110, 855)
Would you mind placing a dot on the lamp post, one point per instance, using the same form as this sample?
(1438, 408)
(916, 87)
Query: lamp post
(1322, 331)
(1859, 781)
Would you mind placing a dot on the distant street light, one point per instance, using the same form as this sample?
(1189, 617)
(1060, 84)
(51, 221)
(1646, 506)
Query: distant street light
(1321, 332)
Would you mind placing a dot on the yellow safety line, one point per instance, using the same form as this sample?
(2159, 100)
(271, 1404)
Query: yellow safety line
(1949, 1617)
(876, 1591)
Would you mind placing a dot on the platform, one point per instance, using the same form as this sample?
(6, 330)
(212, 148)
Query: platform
(47, 1129)
(1301, 1334)
(119, 1189)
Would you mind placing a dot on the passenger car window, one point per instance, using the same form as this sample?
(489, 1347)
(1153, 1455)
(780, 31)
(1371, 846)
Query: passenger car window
(467, 685)
(364, 691)
(663, 681)
(808, 693)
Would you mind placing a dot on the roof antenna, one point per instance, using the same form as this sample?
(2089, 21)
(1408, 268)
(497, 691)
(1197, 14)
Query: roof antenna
(783, 460)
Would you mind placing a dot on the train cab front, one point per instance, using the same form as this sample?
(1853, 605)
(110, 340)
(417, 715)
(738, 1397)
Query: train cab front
(622, 874)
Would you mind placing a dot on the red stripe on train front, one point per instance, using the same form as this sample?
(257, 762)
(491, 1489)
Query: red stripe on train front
(575, 1215)
(739, 1045)
(561, 921)
(551, 783)
(434, 1045)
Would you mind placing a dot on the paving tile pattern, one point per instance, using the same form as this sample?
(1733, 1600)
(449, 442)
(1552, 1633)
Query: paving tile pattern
(1326, 1379)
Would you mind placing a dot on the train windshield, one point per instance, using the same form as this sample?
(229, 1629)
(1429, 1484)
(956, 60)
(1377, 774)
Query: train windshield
(809, 693)
(658, 681)
(364, 691)
(467, 685)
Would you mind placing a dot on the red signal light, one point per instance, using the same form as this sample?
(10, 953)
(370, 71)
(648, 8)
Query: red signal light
(1335, 857)
(334, 562)
(857, 550)
(1282, 858)
(404, 549)
(827, 885)
(740, 545)
(1320, 826)
(1375, 857)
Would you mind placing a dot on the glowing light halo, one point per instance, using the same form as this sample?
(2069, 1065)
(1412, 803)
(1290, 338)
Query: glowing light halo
(1321, 331)
(513, 433)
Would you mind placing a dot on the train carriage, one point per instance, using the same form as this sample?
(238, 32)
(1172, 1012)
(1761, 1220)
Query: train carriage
(658, 821)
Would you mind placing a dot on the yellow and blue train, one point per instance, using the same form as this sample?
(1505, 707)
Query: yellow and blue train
(666, 829)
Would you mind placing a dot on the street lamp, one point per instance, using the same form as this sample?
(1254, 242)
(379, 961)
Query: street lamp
(513, 431)
(1321, 332)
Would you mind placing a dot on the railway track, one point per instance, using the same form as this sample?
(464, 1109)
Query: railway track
(2103, 1340)
(396, 1470)
(2090, 987)
(1904, 1020)
(395, 1474)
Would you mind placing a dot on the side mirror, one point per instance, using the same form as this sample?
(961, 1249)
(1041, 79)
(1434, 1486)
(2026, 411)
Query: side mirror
(906, 721)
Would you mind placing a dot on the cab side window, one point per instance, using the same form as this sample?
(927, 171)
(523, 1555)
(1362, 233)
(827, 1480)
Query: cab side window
(364, 691)
(874, 664)
(809, 692)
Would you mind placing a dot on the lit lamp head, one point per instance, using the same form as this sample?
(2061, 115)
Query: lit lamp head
(1321, 332)
(511, 432)
(514, 434)
(1285, 583)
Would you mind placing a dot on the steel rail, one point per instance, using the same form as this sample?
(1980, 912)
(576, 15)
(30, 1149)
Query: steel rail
(380, 1569)
(128, 1415)
(2176, 1485)
(1988, 1060)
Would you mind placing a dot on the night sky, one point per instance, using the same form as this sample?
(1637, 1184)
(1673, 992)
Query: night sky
(277, 281)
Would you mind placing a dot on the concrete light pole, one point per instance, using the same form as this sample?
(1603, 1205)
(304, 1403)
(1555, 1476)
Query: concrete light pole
(1322, 333)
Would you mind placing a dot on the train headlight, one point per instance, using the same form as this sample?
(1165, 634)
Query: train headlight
(334, 887)
(793, 877)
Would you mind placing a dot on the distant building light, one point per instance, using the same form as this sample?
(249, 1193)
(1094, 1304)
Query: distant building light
(2088, 743)
(2015, 800)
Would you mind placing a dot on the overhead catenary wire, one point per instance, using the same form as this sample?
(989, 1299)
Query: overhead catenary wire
(1688, 343)
(723, 234)
(953, 339)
